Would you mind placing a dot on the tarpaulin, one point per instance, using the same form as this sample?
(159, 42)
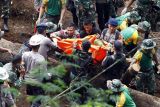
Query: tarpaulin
(98, 48)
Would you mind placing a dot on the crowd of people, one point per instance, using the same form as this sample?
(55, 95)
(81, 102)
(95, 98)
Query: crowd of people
(131, 51)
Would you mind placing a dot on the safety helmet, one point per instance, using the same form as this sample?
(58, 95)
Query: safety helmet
(3, 74)
(135, 26)
(35, 40)
(115, 85)
(41, 27)
(148, 44)
(51, 27)
(134, 16)
(144, 25)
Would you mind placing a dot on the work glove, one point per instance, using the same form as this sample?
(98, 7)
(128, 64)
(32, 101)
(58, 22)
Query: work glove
(124, 11)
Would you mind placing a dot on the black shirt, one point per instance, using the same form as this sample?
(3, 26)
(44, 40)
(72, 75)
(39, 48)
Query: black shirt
(94, 31)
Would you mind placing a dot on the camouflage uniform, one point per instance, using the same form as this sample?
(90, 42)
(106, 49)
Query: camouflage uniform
(85, 9)
(5, 4)
(144, 56)
(144, 7)
(5, 8)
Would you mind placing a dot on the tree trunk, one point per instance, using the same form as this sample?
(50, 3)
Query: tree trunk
(144, 100)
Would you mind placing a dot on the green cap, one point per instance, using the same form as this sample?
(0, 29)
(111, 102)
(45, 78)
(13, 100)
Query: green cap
(134, 16)
(116, 85)
(144, 25)
(148, 44)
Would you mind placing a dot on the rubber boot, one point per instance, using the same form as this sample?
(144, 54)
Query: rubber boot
(5, 25)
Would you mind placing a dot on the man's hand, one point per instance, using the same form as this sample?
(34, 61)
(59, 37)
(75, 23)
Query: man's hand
(60, 25)
(9, 51)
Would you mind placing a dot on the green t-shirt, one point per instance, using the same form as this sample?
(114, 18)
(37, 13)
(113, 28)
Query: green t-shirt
(122, 18)
(125, 100)
(53, 7)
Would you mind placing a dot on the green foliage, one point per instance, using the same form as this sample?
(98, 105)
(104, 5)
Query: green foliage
(56, 86)
(13, 91)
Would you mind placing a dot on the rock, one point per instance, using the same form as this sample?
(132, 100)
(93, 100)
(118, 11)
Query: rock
(5, 57)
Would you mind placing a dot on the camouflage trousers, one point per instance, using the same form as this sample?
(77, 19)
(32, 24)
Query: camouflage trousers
(5, 7)
(86, 14)
(146, 81)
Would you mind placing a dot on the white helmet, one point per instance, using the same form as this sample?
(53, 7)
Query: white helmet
(35, 40)
(3, 74)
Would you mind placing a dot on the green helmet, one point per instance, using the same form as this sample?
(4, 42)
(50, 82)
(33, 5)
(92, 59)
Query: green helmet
(148, 44)
(134, 16)
(51, 27)
(144, 25)
(117, 86)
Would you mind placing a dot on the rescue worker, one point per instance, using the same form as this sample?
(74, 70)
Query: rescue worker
(85, 9)
(120, 96)
(141, 5)
(111, 33)
(88, 29)
(145, 57)
(128, 19)
(83, 59)
(133, 34)
(5, 4)
(118, 69)
(15, 70)
(33, 59)
(54, 10)
(47, 46)
(69, 32)
(6, 99)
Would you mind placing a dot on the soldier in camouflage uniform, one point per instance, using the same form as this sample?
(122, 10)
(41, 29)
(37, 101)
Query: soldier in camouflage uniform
(147, 10)
(142, 6)
(145, 57)
(5, 4)
(85, 9)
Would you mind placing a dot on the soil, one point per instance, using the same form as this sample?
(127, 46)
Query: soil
(21, 24)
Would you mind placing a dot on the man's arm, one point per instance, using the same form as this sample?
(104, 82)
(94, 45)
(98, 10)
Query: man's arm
(56, 35)
(127, 6)
(63, 10)
(42, 10)
(5, 50)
